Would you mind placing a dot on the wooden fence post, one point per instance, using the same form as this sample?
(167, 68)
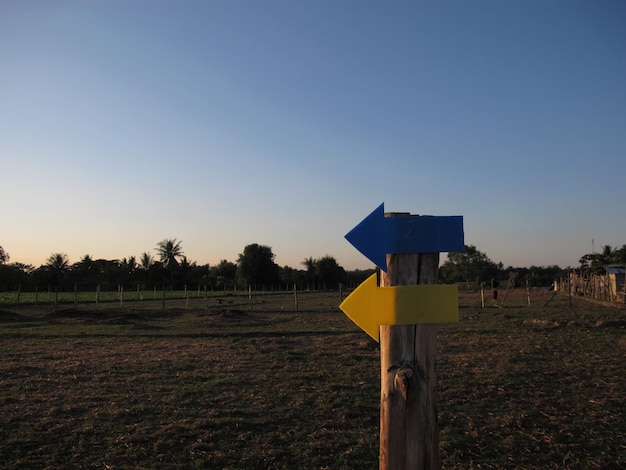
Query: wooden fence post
(409, 433)
(482, 294)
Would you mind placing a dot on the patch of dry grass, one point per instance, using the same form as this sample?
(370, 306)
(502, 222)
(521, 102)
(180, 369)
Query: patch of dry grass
(260, 385)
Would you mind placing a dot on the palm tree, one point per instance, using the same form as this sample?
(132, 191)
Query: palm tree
(146, 261)
(168, 250)
(608, 254)
(85, 272)
(310, 263)
(58, 261)
(58, 264)
(127, 269)
(145, 271)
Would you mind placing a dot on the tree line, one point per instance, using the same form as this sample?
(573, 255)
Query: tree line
(474, 267)
(255, 268)
(170, 269)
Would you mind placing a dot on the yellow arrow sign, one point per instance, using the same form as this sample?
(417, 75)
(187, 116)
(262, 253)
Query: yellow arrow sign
(370, 306)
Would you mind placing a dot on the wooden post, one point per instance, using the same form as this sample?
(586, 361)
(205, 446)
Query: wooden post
(482, 294)
(295, 296)
(409, 434)
(528, 292)
(508, 286)
(569, 289)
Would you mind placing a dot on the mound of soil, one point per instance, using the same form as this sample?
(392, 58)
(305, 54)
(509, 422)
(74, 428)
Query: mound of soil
(76, 313)
(229, 314)
(106, 316)
(12, 317)
(620, 323)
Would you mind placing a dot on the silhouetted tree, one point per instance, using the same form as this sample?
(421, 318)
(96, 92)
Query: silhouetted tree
(256, 266)
(168, 251)
(4, 256)
(469, 266)
(309, 264)
(223, 274)
(57, 267)
(328, 272)
(85, 273)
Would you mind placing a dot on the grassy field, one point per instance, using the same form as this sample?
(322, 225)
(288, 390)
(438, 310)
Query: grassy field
(256, 384)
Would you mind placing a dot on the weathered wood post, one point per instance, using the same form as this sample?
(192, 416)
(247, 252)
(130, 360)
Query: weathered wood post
(401, 310)
(482, 294)
(409, 434)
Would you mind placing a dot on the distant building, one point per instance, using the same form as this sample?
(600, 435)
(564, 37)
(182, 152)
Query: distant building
(616, 274)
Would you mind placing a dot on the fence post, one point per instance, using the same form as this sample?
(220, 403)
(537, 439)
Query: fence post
(569, 289)
(295, 295)
(409, 434)
(482, 295)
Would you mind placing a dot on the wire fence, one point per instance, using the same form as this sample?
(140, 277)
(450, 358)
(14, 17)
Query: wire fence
(185, 298)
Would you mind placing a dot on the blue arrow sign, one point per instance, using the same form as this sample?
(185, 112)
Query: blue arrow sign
(377, 235)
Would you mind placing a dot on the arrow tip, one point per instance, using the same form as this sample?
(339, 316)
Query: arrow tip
(370, 238)
(361, 307)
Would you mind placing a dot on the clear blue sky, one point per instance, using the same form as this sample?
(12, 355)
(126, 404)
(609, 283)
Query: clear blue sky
(284, 123)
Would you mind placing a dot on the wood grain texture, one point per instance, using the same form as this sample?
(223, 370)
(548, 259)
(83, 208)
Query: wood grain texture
(409, 434)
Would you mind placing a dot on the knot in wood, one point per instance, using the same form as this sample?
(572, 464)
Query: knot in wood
(401, 380)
